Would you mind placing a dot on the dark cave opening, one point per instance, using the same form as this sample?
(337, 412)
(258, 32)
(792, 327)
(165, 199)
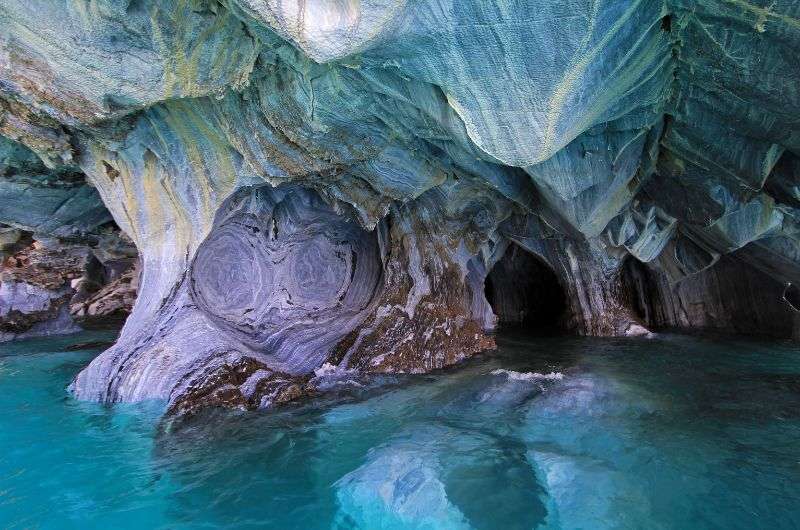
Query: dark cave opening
(525, 293)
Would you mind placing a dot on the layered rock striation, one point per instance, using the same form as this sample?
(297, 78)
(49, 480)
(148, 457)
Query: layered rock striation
(312, 182)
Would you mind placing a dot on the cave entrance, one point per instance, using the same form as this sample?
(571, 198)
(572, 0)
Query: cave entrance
(525, 293)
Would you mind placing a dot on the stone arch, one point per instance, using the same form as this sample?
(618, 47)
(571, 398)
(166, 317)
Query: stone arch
(525, 292)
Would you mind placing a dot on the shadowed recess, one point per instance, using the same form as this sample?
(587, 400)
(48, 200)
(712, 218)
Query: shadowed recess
(525, 293)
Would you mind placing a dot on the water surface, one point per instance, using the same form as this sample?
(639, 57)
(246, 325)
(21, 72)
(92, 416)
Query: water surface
(673, 432)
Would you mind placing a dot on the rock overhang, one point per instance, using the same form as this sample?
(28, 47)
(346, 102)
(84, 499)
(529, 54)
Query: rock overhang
(663, 130)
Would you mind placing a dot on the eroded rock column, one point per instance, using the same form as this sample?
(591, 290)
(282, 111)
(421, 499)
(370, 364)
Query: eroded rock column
(284, 284)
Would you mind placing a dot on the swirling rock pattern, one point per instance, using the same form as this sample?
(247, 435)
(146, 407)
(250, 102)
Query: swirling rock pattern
(588, 133)
(286, 275)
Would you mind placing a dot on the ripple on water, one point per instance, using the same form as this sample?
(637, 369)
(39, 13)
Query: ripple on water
(674, 432)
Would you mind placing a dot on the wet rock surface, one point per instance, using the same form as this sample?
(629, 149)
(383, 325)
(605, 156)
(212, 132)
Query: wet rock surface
(237, 382)
(332, 182)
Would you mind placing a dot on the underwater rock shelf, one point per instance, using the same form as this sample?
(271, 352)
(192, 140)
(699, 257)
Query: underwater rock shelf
(377, 185)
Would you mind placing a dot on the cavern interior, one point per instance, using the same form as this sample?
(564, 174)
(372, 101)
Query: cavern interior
(255, 206)
(524, 293)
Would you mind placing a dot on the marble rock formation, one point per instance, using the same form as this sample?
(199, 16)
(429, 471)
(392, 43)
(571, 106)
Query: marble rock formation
(108, 306)
(58, 246)
(50, 287)
(379, 184)
(35, 290)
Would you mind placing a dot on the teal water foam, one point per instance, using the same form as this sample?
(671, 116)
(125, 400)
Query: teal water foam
(673, 432)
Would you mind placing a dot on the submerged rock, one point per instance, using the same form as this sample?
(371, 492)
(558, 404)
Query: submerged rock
(399, 487)
(378, 185)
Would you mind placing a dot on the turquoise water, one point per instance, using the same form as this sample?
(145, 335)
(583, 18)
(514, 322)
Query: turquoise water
(675, 432)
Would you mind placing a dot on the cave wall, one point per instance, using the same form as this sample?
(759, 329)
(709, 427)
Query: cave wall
(59, 247)
(50, 286)
(283, 284)
(731, 296)
(423, 137)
